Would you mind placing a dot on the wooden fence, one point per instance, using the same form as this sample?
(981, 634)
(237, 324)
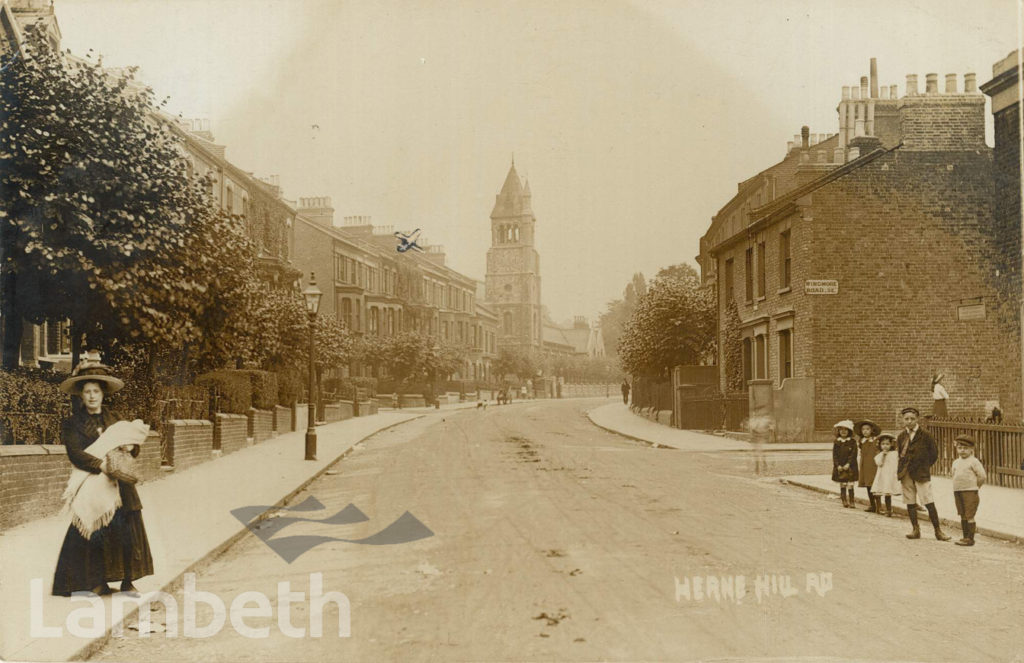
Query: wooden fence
(1000, 448)
(651, 394)
(713, 412)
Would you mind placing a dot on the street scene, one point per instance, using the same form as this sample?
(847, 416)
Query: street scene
(640, 330)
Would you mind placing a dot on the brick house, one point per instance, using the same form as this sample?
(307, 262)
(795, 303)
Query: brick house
(372, 289)
(864, 262)
(1004, 88)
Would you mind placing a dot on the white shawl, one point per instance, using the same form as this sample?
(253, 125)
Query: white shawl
(91, 498)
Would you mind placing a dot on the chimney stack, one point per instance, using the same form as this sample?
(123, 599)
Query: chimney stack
(911, 85)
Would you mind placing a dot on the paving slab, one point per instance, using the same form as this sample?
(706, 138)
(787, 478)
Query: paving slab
(188, 521)
(618, 418)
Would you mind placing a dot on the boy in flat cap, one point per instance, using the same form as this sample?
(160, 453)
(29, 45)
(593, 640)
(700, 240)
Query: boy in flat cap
(968, 476)
(917, 455)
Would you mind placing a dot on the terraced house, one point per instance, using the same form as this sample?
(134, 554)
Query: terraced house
(373, 289)
(864, 262)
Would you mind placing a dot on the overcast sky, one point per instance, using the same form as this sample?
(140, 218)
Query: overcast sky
(634, 121)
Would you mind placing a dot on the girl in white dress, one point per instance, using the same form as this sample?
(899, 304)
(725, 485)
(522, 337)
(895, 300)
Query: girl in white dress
(886, 484)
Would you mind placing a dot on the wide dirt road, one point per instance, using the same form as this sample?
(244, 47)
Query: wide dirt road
(554, 540)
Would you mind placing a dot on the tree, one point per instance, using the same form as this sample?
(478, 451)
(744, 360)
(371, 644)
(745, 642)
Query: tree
(614, 319)
(514, 362)
(732, 349)
(100, 220)
(674, 323)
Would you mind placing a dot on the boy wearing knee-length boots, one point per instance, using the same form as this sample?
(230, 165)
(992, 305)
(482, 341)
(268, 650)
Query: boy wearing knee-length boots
(917, 455)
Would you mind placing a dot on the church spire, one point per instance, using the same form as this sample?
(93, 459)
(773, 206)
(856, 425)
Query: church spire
(510, 201)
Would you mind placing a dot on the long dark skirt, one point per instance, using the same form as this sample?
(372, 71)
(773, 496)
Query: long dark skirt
(119, 551)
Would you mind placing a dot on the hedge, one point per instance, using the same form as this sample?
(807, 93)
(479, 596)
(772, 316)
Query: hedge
(233, 390)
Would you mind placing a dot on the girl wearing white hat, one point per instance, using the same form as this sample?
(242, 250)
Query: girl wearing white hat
(844, 461)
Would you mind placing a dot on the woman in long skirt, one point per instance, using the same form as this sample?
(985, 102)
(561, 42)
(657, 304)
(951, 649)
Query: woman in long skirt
(114, 547)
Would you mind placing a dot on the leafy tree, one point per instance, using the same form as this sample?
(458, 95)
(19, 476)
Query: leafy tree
(514, 362)
(614, 319)
(674, 323)
(732, 349)
(100, 220)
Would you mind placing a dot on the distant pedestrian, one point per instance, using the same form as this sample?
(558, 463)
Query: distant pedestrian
(886, 484)
(968, 477)
(868, 448)
(939, 397)
(625, 392)
(917, 455)
(844, 461)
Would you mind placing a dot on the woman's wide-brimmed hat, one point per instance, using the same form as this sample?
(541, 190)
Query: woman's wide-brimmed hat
(91, 369)
(875, 428)
(938, 377)
(845, 423)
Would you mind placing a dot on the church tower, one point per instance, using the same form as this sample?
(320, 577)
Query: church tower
(512, 283)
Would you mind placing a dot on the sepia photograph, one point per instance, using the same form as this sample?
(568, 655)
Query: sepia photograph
(511, 330)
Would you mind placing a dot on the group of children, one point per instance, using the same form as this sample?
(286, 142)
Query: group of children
(878, 471)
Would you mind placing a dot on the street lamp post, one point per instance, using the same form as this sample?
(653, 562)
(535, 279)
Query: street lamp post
(312, 296)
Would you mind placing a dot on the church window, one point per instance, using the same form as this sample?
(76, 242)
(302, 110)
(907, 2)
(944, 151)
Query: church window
(515, 233)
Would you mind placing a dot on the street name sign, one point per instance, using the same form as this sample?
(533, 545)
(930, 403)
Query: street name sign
(821, 287)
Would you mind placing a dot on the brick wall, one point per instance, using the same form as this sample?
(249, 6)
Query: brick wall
(32, 480)
(283, 420)
(150, 458)
(261, 425)
(230, 432)
(910, 237)
(940, 122)
(332, 412)
(188, 442)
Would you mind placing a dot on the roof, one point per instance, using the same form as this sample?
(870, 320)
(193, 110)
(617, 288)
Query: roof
(513, 200)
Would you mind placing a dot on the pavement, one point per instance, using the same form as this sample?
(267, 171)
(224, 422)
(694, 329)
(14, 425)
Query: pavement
(188, 521)
(1001, 514)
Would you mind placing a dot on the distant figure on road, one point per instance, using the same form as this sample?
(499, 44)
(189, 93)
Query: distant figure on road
(917, 455)
(939, 397)
(625, 392)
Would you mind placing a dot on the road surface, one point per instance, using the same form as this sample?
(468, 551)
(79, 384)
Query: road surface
(555, 540)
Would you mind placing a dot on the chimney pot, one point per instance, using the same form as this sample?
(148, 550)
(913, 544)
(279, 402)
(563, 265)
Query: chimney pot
(894, 92)
(970, 83)
(837, 155)
(854, 153)
(846, 93)
(789, 146)
(874, 78)
(863, 87)
(884, 92)
(911, 85)
(855, 92)
(805, 133)
(950, 83)
(931, 85)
